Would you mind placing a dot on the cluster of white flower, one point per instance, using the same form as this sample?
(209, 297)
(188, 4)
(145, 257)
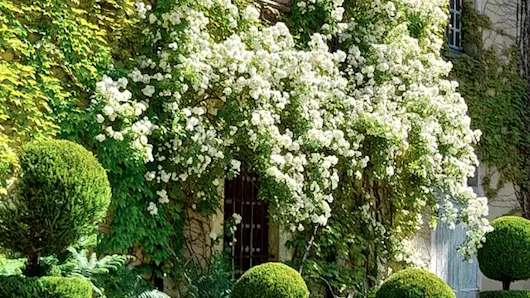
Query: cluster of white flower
(233, 228)
(120, 117)
(400, 75)
(412, 254)
(142, 9)
(308, 122)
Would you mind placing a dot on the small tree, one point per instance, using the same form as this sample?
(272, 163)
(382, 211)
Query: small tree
(62, 193)
(505, 254)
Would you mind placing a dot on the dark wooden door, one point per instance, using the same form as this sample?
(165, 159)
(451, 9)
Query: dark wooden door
(251, 247)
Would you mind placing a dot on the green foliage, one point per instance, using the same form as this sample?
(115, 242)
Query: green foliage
(490, 82)
(503, 256)
(45, 287)
(415, 283)
(152, 294)
(62, 194)
(51, 54)
(10, 267)
(214, 281)
(8, 163)
(108, 276)
(125, 283)
(83, 266)
(271, 280)
(305, 23)
(343, 238)
(505, 294)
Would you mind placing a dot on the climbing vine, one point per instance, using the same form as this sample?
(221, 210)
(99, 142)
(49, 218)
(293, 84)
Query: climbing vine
(358, 142)
(353, 128)
(51, 55)
(490, 82)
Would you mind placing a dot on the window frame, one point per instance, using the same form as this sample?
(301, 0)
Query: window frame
(454, 28)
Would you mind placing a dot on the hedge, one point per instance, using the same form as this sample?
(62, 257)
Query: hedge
(44, 287)
(505, 294)
(271, 280)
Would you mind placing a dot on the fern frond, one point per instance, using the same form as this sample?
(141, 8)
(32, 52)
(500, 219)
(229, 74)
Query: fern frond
(11, 266)
(153, 294)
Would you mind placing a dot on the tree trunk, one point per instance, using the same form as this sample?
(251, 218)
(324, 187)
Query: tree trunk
(506, 284)
(523, 196)
(33, 268)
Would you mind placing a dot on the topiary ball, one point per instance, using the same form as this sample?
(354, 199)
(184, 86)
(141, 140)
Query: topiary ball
(505, 254)
(63, 192)
(271, 280)
(415, 283)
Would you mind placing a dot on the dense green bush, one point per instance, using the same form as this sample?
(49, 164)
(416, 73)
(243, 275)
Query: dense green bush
(45, 287)
(415, 283)
(505, 294)
(271, 280)
(62, 193)
(506, 251)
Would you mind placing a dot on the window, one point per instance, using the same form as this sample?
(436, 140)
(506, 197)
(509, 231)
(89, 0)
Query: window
(251, 247)
(454, 31)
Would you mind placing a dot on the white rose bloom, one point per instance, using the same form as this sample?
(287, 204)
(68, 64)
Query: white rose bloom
(101, 137)
(152, 208)
(148, 90)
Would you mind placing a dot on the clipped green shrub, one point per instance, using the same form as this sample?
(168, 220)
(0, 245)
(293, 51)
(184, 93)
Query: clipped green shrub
(505, 294)
(271, 280)
(506, 251)
(44, 287)
(63, 192)
(415, 283)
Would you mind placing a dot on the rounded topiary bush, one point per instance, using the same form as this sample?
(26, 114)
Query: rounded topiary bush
(506, 251)
(271, 280)
(415, 283)
(45, 287)
(505, 294)
(62, 193)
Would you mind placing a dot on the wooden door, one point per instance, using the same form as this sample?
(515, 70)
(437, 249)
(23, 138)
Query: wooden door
(446, 262)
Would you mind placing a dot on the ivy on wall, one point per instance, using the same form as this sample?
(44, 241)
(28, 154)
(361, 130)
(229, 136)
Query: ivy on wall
(51, 54)
(490, 82)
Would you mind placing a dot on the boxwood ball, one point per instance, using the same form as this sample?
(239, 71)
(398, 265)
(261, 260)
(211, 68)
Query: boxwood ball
(271, 280)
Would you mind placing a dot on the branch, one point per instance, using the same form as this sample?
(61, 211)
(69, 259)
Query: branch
(327, 283)
(308, 248)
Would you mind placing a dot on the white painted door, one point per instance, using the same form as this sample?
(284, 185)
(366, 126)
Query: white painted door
(463, 277)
